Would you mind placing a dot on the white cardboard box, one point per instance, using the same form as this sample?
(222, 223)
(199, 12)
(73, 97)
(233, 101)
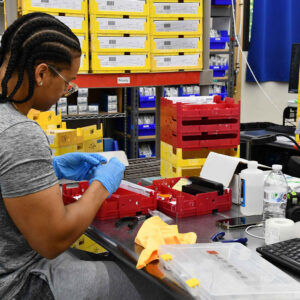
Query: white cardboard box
(226, 170)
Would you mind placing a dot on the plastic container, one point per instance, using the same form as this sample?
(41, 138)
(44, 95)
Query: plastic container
(275, 194)
(252, 190)
(219, 271)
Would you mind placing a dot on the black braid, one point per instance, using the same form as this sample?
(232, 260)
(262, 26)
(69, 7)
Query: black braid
(32, 39)
(35, 45)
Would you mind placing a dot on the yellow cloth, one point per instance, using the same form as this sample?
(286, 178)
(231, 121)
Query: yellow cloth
(155, 232)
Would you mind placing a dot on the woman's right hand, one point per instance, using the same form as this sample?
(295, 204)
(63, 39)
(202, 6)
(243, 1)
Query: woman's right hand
(110, 174)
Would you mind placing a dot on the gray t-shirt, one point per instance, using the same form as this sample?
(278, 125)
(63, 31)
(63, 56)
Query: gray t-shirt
(25, 168)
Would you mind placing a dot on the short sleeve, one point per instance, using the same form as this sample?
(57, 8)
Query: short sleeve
(25, 160)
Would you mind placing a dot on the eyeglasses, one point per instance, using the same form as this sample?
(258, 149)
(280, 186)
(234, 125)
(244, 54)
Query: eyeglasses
(70, 88)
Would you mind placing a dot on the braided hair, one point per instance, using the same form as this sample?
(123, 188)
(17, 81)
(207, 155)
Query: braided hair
(32, 39)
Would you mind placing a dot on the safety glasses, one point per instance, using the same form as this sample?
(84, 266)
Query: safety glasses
(70, 88)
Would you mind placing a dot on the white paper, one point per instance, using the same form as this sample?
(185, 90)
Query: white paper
(176, 43)
(113, 42)
(122, 24)
(177, 60)
(174, 26)
(219, 168)
(122, 60)
(177, 8)
(121, 5)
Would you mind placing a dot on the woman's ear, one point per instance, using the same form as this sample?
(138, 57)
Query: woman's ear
(40, 73)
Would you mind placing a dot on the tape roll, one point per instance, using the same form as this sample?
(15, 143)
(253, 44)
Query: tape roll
(279, 229)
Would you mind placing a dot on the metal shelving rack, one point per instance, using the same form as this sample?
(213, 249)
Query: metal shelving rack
(226, 11)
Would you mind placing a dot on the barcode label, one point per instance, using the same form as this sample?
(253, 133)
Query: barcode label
(167, 43)
(167, 7)
(111, 23)
(167, 59)
(167, 25)
(112, 42)
(44, 1)
(110, 3)
(112, 58)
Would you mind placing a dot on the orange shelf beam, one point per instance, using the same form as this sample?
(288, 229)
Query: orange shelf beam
(137, 79)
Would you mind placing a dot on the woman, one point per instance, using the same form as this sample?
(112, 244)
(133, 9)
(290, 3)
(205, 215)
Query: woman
(39, 57)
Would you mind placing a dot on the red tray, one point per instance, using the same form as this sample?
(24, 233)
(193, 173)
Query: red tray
(197, 126)
(121, 204)
(189, 205)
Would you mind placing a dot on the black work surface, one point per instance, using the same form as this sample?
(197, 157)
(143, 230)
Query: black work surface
(120, 241)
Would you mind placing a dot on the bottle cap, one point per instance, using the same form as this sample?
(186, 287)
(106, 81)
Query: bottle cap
(277, 167)
(252, 164)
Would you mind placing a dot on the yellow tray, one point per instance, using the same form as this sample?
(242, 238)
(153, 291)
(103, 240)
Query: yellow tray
(167, 170)
(194, 158)
(77, 23)
(119, 62)
(116, 43)
(176, 10)
(90, 132)
(62, 138)
(119, 25)
(63, 150)
(175, 44)
(176, 62)
(119, 7)
(84, 63)
(84, 41)
(52, 6)
(94, 145)
(175, 27)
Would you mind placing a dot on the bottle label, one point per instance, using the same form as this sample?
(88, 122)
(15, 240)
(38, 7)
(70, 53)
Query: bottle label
(243, 194)
(275, 197)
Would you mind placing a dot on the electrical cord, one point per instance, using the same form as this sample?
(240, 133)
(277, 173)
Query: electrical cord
(243, 55)
(253, 235)
(290, 138)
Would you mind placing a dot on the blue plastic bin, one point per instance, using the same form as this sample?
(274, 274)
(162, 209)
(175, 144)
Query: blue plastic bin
(147, 101)
(222, 2)
(219, 71)
(219, 42)
(146, 129)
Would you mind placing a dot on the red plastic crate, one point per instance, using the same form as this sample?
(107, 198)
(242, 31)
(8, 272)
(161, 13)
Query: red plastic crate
(200, 125)
(189, 205)
(121, 204)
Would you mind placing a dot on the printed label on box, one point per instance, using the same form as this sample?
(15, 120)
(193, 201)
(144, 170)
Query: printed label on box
(177, 43)
(122, 60)
(177, 8)
(177, 60)
(66, 4)
(122, 5)
(173, 26)
(72, 22)
(121, 24)
(82, 57)
(112, 42)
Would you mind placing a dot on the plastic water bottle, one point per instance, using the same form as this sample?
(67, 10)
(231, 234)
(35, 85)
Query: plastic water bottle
(252, 190)
(275, 194)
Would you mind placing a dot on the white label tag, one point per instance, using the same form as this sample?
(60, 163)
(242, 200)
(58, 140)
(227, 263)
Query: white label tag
(177, 8)
(123, 80)
(122, 5)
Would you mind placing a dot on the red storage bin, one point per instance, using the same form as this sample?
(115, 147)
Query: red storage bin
(121, 204)
(189, 205)
(193, 126)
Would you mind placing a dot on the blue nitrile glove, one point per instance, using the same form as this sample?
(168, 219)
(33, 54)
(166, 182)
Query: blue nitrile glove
(77, 165)
(110, 175)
